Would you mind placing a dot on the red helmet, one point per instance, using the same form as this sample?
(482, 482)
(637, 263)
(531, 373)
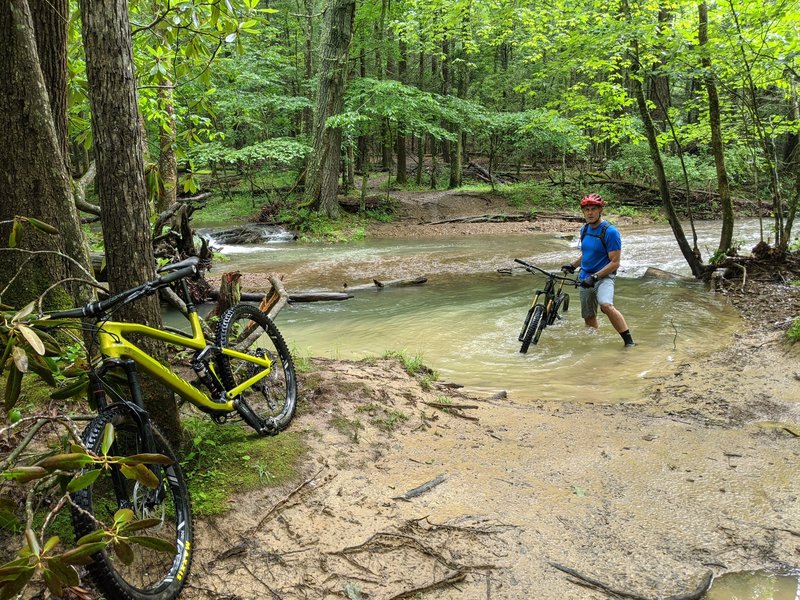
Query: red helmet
(592, 200)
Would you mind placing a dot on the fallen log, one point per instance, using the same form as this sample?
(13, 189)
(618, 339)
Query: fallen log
(296, 297)
(485, 219)
(376, 283)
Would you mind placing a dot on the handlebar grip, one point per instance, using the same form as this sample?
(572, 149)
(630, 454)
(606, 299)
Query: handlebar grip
(72, 313)
(176, 275)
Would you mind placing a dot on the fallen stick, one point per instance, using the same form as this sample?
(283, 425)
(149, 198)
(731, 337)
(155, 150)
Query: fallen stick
(449, 579)
(585, 581)
(445, 405)
(425, 487)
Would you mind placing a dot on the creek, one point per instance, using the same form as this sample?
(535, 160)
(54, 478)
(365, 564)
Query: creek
(465, 320)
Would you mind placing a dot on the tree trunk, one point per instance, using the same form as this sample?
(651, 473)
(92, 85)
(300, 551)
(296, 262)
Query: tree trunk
(120, 175)
(402, 169)
(33, 169)
(695, 264)
(717, 147)
(322, 177)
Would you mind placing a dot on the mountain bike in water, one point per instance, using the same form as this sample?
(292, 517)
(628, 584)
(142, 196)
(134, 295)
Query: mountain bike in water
(245, 372)
(545, 305)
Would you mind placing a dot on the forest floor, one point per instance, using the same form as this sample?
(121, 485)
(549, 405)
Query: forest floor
(417, 491)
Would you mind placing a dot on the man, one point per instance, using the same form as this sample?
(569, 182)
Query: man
(601, 249)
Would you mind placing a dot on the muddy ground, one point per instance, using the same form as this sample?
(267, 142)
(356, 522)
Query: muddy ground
(416, 490)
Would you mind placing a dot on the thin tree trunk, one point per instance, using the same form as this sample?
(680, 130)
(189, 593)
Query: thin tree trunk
(694, 262)
(402, 175)
(717, 146)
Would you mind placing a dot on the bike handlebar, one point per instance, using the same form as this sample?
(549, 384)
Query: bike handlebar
(174, 272)
(529, 267)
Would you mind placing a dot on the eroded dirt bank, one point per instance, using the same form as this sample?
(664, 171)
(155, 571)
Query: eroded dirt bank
(698, 477)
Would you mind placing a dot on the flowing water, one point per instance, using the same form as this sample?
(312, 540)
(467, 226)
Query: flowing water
(465, 320)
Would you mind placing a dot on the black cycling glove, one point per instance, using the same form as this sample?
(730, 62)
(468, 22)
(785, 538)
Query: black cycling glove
(589, 281)
(568, 269)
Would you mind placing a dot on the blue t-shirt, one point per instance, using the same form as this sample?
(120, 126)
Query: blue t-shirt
(594, 255)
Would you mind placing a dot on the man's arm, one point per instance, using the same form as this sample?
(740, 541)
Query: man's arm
(614, 258)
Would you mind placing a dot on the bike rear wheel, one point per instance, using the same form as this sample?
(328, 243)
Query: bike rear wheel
(535, 326)
(561, 305)
(152, 574)
(272, 399)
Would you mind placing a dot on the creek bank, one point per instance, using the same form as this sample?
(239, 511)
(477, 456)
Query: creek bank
(697, 476)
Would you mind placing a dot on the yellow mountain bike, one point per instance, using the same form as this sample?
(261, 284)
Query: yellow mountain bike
(245, 372)
(545, 305)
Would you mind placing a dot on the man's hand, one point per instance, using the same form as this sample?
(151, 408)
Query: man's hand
(589, 281)
(568, 269)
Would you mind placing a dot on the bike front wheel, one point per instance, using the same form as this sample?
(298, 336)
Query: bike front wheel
(535, 326)
(127, 569)
(273, 398)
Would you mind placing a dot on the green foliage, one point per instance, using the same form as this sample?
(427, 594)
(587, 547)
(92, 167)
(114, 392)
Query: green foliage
(222, 461)
(793, 333)
(42, 555)
(383, 417)
(533, 195)
(633, 163)
(413, 365)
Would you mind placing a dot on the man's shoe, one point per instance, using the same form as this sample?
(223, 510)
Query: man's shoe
(630, 344)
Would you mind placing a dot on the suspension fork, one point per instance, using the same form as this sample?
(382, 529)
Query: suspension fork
(135, 406)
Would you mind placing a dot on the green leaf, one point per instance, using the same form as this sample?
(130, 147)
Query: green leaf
(33, 542)
(40, 367)
(33, 339)
(13, 385)
(123, 551)
(98, 535)
(42, 226)
(142, 524)
(154, 543)
(28, 309)
(65, 573)
(83, 481)
(9, 521)
(146, 458)
(53, 582)
(6, 353)
(82, 555)
(69, 461)
(20, 359)
(108, 439)
(51, 543)
(11, 589)
(24, 474)
(16, 234)
(141, 474)
(72, 390)
(122, 516)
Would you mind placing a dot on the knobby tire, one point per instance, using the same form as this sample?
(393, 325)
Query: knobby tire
(273, 398)
(534, 328)
(525, 324)
(153, 574)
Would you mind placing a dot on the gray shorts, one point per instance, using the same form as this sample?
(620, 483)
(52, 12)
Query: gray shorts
(601, 293)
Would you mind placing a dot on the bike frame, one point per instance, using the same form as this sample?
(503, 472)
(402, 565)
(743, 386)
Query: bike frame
(114, 345)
